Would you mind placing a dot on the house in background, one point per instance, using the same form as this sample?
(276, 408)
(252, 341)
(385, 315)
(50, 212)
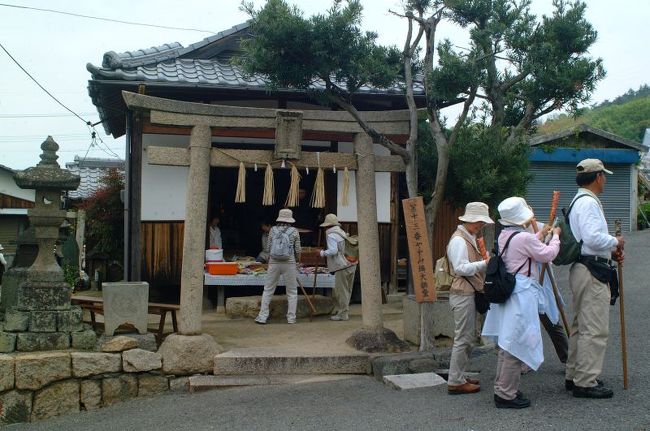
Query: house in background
(202, 72)
(553, 164)
(14, 203)
(90, 170)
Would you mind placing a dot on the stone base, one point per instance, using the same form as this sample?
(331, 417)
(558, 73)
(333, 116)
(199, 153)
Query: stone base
(43, 295)
(372, 340)
(143, 341)
(249, 306)
(404, 363)
(34, 341)
(270, 361)
(10, 282)
(442, 326)
(188, 354)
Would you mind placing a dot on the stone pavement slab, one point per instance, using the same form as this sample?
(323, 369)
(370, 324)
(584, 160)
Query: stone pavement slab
(414, 381)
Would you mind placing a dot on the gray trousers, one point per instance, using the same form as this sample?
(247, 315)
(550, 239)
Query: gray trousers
(343, 284)
(509, 370)
(465, 336)
(289, 273)
(589, 327)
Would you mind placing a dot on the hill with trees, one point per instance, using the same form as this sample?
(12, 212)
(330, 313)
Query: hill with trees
(627, 116)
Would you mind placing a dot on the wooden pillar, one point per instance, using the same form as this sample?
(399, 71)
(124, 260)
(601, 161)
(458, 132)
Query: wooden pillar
(196, 209)
(394, 231)
(368, 233)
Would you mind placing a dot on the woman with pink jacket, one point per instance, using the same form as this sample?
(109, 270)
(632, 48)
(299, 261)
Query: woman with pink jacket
(515, 324)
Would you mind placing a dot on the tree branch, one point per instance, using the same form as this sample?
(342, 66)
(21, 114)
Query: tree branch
(375, 135)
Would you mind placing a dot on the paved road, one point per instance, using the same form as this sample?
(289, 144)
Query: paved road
(361, 403)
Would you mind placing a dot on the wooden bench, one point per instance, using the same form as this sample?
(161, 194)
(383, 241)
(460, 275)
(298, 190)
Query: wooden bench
(95, 304)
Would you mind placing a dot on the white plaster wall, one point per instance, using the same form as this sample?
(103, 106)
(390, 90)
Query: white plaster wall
(163, 187)
(8, 187)
(382, 180)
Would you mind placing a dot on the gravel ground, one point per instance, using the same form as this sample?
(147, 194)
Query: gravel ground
(361, 403)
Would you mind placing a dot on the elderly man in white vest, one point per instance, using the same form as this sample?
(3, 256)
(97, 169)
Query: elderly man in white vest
(337, 263)
(468, 268)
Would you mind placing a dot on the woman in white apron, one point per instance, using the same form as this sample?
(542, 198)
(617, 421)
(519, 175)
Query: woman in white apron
(514, 325)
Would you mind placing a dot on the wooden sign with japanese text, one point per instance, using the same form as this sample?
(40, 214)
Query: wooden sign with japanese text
(419, 250)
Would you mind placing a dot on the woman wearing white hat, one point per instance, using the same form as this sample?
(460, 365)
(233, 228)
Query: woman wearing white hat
(283, 247)
(3, 264)
(337, 263)
(515, 324)
(468, 269)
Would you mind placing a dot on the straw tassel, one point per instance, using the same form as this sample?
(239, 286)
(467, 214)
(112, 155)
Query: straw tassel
(292, 197)
(318, 195)
(268, 198)
(345, 198)
(240, 195)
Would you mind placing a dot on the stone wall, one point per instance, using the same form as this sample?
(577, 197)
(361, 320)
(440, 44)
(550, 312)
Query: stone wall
(40, 385)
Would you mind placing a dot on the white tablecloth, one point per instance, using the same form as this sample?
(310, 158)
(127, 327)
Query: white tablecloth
(323, 281)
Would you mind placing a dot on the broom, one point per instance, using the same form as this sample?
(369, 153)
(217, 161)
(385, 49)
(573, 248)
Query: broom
(318, 195)
(345, 198)
(292, 197)
(268, 198)
(240, 194)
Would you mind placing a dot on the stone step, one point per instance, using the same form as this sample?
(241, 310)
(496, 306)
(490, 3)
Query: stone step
(268, 361)
(209, 382)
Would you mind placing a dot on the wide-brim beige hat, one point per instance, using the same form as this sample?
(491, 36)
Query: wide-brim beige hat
(330, 220)
(475, 212)
(514, 211)
(285, 216)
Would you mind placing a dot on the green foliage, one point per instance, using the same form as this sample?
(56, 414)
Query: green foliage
(627, 118)
(71, 274)
(294, 52)
(105, 217)
(481, 166)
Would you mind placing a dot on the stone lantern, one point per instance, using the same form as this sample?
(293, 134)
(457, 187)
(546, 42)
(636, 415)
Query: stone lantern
(39, 315)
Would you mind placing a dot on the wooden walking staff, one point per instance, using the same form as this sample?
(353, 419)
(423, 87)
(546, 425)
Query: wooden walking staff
(621, 302)
(551, 277)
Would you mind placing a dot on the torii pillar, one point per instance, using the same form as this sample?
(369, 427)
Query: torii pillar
(372, 336)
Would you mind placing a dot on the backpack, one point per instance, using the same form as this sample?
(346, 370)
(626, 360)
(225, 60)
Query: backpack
(350, 248)
(442, 274)
(281, 247)
(499, 283)
(569, 247)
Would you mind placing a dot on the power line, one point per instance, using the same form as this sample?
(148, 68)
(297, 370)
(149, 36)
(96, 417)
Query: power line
(107, 19)
(43, 115)
(38, 83)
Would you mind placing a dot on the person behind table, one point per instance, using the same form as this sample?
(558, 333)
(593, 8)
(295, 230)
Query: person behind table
(514, 324)
(337, 263)
(591, 295)
(468, 267)
(287, 269)
(263, 256)
(215, 233)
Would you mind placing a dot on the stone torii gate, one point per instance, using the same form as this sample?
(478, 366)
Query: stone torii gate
(289, 126)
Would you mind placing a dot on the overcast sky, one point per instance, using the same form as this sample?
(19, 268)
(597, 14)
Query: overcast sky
(55, 48)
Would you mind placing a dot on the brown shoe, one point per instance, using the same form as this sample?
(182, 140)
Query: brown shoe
(472, 381)
(465, 388)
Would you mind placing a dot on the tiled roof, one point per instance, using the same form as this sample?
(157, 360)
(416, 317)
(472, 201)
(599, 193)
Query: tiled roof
(172, 63)
(584, 128)
(91, 171)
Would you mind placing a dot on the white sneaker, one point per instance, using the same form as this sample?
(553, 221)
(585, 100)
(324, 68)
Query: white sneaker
(291, 321)
(339, 317)
(260, 321)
